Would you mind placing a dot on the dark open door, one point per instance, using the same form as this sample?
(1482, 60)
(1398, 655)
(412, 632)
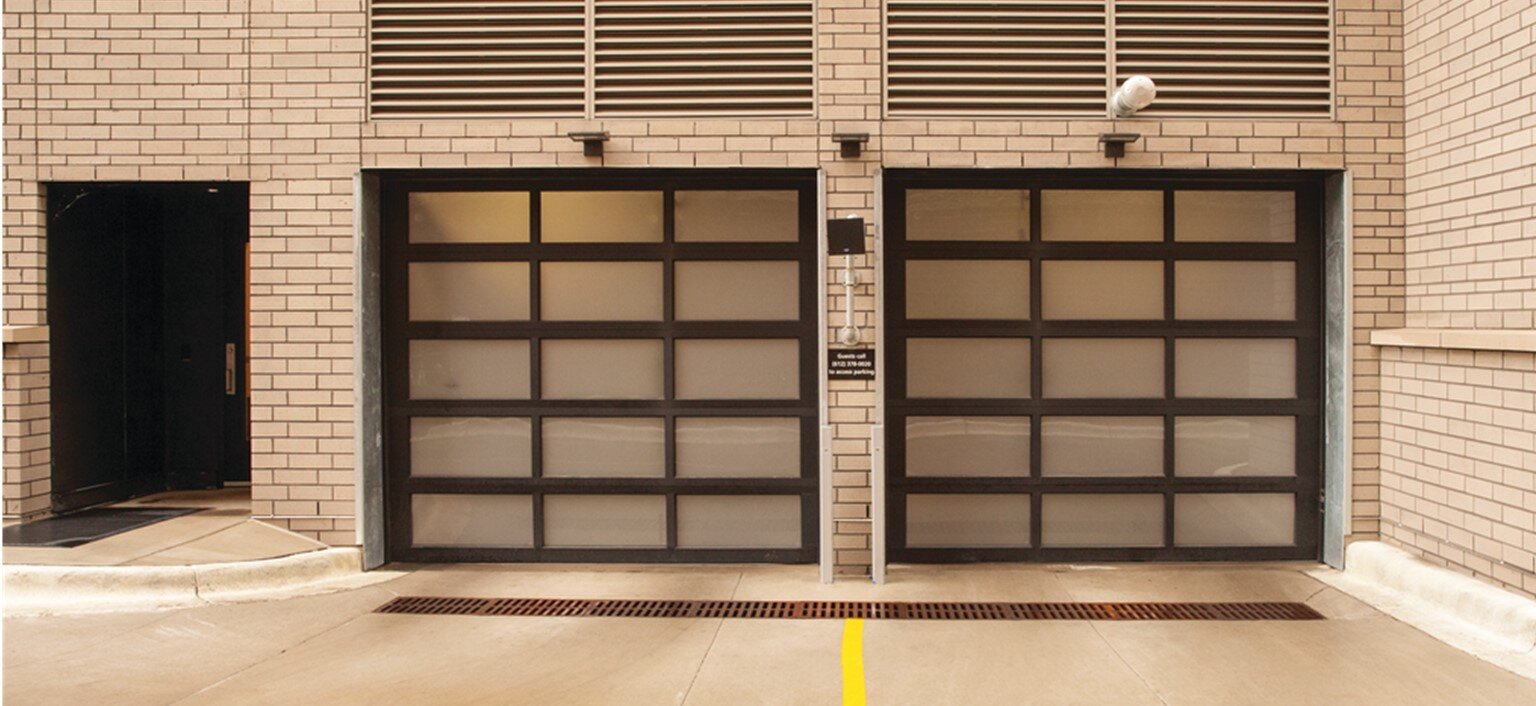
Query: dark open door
(147, 319)
(87, 322)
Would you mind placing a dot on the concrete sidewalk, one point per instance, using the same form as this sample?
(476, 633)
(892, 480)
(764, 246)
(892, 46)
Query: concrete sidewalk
(218, 554)
(223, 532)
(333, 649)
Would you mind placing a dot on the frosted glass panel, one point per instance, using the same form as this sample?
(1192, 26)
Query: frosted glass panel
(468, 216)
(469, 370)
(471, 520)
(615, 369)
(1101, 215)
(737, 291)
(968, 446)
(738, 369)
(1101, 446)
(738, 447)
(737, 216)
(601, 217)
(1235, 216)
(1234, 446)
(968, 289)
(967, 214)
(1235, 290)
(1234, 520)
(605, 521)
(608, 447)
(600, 291)
(468, 291)
(1103, 367)
(965, 520)
(967, 367)
(1235, 367)
(471, 447)
(1101, 289)
(1102, 520)
(738, 521)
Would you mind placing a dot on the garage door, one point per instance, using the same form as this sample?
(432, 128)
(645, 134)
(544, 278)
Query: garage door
(1101, 367)
(601, 365)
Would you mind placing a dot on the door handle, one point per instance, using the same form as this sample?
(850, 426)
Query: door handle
(230, 388)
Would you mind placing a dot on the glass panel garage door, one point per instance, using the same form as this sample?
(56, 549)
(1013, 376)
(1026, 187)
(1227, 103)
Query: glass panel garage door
(1101, 369)
(596, 366)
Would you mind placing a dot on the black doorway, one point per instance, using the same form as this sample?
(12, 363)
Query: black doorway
(146, 314)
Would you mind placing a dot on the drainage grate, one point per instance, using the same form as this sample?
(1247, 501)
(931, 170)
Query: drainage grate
(871, 610)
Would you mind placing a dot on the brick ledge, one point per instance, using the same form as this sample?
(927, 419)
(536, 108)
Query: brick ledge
(1464, 339)
(25, 334)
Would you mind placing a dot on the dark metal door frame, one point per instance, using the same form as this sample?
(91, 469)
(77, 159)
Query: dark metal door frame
(398, 331)
(120, 281)
(1306, 329)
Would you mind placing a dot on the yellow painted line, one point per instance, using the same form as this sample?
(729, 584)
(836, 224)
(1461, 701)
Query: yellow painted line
(853, 662)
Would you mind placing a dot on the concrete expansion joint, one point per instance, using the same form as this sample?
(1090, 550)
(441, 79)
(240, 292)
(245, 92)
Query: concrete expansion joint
(57, 590)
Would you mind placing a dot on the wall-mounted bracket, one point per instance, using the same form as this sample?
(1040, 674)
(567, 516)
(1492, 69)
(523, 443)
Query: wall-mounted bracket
(850, 144)
(1115, 142)
(591, 142)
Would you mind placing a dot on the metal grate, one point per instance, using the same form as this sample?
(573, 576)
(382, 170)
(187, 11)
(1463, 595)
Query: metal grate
(837, 610)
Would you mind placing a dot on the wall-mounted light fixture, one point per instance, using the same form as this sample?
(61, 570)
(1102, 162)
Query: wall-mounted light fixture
(591, 142)
(1135, 94)
(1115, 142)
(845, 236)
(850, 144)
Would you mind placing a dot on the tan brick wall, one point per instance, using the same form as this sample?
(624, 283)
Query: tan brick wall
(26, 447)
(1458, 480)
(1458, 430)
(286, 112)
(1471, 148)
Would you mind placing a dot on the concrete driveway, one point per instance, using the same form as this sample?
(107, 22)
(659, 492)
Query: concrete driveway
(332, 649)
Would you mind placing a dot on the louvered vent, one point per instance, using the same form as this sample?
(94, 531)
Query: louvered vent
(704, 57)
(1006, 57)
(478, 58)
(1228, 59)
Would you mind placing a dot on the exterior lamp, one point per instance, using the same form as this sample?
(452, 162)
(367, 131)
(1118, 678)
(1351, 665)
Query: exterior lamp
(1135, 94)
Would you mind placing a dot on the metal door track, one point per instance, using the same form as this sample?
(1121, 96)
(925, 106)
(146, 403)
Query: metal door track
(837, 610)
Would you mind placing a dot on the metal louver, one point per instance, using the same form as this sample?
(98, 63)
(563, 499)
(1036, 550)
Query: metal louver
(575, 58)
(1005, 57)
(1213, 58)
(478, 58)
(1210, 58)
(704, 57)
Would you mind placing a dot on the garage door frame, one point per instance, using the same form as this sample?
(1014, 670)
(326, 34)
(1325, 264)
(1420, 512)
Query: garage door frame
(1307, 329)
(397, 331)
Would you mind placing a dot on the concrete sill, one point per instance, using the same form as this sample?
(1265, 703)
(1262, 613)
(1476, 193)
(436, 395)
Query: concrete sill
(1460, 339)
(25, 334)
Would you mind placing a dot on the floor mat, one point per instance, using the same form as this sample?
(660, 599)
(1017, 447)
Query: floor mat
(86, 526)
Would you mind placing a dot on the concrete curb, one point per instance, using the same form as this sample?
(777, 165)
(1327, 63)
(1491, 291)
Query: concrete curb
(1505, 616)
(54, 590)
(1478, 618)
